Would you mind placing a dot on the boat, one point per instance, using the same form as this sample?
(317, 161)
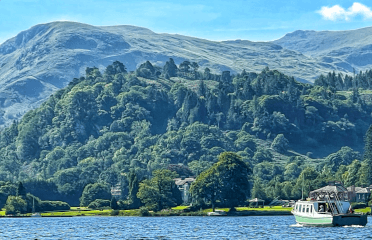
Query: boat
(217, 213)
(326, 213)
(327, 206)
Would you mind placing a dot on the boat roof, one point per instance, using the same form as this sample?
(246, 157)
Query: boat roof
(317, 201)
(329, 189)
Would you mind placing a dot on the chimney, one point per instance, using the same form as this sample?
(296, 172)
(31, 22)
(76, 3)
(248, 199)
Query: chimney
(353, 188)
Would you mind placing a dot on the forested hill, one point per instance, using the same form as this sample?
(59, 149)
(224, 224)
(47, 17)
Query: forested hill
(105, 124)
(41, 60)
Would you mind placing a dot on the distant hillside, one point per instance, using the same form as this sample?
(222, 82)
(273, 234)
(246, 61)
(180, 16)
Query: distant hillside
(340, 50)
(39, 61)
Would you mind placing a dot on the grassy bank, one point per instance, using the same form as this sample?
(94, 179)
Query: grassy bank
(176, 211)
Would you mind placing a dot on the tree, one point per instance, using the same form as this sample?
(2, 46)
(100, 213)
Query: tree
(280, 143)
(15, 205)
(184, 67)
(157, 193)
(226, 181)
(21, 190)
(365, 171)
(114, 203)
(95, 191)
(170, 68)
(133, 186)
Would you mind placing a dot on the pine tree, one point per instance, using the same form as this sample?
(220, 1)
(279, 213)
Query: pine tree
(365, 171)
(21, 190)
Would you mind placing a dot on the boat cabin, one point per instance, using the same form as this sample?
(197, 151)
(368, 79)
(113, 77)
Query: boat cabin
(321, 207)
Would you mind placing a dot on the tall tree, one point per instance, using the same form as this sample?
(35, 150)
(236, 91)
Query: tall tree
(226, 181)
(21, 190)
(365, 171)
(158, 192)
(134, 201)
(170, 69)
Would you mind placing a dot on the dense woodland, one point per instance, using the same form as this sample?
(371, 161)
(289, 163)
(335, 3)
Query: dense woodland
(118, 127)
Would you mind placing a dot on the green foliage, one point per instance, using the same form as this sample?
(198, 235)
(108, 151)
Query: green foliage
(15, 205)
(226, 181)
(114, 204)
(103, 126)
(99, 204)
(133, 184)
(157, 193)
(280, 143)
(144, 212)
(95, 191)
(45, 206)
(21, 191)
(365, 171)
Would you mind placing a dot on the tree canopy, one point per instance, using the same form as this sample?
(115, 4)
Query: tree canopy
(226, 181)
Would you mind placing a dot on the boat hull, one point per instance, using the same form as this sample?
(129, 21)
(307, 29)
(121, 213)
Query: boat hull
(333, 221)
(349, 219)
(317, 222)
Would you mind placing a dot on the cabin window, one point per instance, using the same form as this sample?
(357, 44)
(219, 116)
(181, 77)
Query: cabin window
(303, 208)
(311, 208)
(299, 208)
(307, 209)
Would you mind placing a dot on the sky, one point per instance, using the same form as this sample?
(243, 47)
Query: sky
(255, 20)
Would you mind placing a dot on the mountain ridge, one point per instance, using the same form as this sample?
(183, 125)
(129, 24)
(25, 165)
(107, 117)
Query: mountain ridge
(39, 61)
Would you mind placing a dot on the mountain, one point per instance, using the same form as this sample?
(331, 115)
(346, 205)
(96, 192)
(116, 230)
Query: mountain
(340, 50)
(39, 61)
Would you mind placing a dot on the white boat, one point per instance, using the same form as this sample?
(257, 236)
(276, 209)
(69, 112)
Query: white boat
(326, 213)
(217, 213)
(327, 206)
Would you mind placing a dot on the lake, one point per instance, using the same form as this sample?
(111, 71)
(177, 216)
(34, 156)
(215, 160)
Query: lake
(260, 227)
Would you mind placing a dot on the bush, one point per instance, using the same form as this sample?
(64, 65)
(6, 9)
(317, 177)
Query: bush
(144, 212)
(114, 213)
(358, 205)
(53, 206)
(99, 203)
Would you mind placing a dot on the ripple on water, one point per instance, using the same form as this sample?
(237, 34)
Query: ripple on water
(269, 227)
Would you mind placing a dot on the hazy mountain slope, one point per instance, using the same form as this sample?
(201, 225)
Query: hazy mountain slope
(38, 61)
(343, 49)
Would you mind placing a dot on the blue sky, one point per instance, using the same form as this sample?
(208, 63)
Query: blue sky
(256, 20)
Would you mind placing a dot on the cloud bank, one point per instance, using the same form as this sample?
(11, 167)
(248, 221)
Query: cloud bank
(339, 13)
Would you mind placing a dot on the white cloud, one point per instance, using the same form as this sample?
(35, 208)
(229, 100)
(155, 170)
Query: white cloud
(337, 12)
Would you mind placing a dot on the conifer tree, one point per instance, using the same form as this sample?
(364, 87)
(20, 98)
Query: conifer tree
(365, 171)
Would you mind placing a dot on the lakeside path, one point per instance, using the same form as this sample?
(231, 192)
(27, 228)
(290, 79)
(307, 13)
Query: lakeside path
(177, 211)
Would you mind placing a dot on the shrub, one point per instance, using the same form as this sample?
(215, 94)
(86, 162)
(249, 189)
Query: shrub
(144, 212)
(53, 206)
(99, 203)
(114, 213)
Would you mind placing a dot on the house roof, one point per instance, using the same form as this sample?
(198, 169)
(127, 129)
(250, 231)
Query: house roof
(180, 181)
(363, 190)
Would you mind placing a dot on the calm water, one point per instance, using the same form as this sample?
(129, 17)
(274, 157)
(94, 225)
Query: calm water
(273, 227)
